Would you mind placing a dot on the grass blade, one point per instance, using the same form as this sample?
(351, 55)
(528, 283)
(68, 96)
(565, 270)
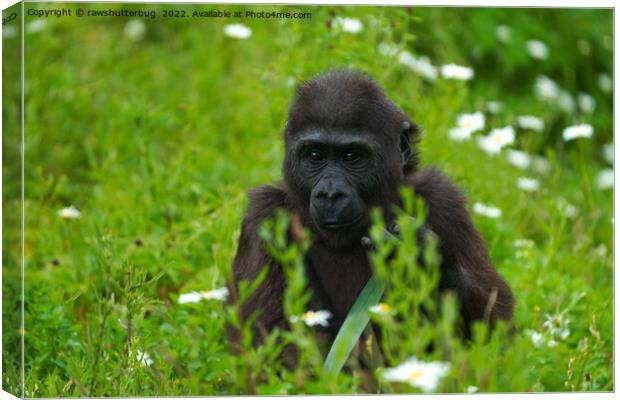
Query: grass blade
(353, 326)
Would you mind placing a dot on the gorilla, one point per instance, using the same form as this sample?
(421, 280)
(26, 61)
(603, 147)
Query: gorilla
(349, 148)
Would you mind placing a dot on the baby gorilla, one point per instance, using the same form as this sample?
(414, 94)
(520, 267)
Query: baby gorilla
(349, 149)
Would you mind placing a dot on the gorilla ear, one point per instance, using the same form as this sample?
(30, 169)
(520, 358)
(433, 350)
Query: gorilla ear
(408, 154)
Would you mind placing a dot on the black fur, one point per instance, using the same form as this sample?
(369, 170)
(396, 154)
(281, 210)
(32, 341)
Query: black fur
(349, 104)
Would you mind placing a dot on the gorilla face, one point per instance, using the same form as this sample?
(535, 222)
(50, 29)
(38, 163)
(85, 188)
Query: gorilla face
(333, 170)
(336, 177)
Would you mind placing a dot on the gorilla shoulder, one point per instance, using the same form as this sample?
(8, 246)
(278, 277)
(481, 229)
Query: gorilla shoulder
(264, 200)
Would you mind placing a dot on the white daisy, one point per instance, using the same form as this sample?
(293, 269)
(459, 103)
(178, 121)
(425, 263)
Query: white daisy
(537, 49)
(537, 338)
(524, 243)
(313, 318)
(237, 31)
(577, 131)
(135, 29)
(472, 122)
(191, 297)
(545, 88)
(216, 294)
(605, 179)
(144, 358)
(541, 165)
(425, 68)
(518, 158)
(472, 389)
(569, 210)
(420, 65)
(504, 136)
(69, 212)
(497, 139)
(528, 184)
(587, 103)
(381, 309)
(406, 58)
(487, 144)
(557, 326)
(459, 134)
(524, 248)
(387, 49)
(553, 329)
(493, 106)
(487, 210)
(420, 374)
(350, 25)
(530, 122)
(502, 32)
(194, 297)
(605, 83)
(458, 72)
(565, 102)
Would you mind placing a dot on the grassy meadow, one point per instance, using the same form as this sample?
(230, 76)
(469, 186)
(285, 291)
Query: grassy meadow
(154, 130)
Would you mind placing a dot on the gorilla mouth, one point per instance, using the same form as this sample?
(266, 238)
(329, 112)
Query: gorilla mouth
(334, 225)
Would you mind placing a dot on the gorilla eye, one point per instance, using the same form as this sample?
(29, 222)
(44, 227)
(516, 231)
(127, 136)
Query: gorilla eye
(315, 155)
(351, 156)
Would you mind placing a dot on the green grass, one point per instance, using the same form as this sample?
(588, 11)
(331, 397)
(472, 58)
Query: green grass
(157, 140)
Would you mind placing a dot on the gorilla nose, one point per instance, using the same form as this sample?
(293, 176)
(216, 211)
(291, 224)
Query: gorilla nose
(327, 194)
(334, 204)
(331, 191)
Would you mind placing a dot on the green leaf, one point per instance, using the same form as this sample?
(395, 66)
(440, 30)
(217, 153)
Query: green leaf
(353, 326)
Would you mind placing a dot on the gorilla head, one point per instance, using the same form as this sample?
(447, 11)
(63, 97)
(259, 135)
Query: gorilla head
(347, 150)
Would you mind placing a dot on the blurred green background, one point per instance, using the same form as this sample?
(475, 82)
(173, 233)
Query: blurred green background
(154, 129)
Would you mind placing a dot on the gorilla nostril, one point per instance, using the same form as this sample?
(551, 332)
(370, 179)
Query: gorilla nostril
(320, 194)
(335, 195)
(329, 194)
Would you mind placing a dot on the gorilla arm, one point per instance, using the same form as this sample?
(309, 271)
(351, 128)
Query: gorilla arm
(465, 267)
(266, 301)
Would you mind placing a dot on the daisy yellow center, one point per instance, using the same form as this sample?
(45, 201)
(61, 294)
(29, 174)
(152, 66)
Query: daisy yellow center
(310, 315)
(468, 123)
(413, 375)
(383, 308)
(498, 138)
